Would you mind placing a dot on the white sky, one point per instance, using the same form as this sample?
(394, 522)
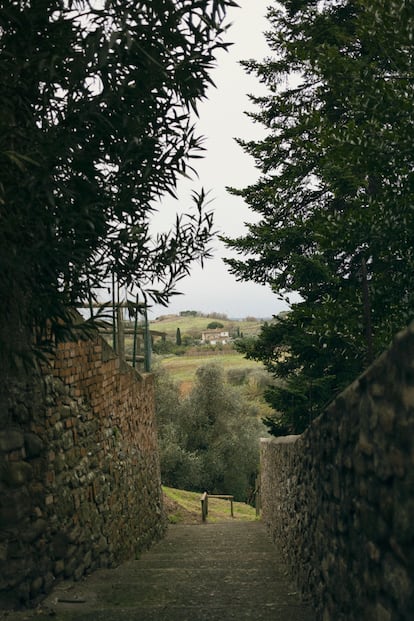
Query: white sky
(222, 119)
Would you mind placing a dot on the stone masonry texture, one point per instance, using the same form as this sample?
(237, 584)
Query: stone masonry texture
(79, 470)
(339, 499)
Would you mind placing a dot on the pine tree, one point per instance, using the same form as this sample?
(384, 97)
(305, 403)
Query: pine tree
(334, 201)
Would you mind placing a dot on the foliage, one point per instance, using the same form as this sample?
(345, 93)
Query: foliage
(164, 347)
(184, 368)
(237, 376)
(215, 315)
(214, 324)
(95, 102)
(334, 203)
(256, 380)
(193, 325)
(207, 440)
(178, 337)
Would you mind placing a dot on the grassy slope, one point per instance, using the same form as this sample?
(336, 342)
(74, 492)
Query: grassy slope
(183, 368)
(185, 507)
(193, 326)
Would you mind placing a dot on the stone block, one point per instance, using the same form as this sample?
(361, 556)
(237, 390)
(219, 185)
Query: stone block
(70, 567)
(397, 462)
(14, 507)
(33, 445)
(16, 473)
(386, 416)
(66, 440)
(21, 413)
(23, 592)
(365, 444)
(64, 411)
(79, 572)
(11, 440)
(48, 581)
(397, 581)
(36, 586)
(34, 530)
(382, 613)
(403, 513)
(61, 546)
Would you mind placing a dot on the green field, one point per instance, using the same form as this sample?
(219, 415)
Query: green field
(193, 326)
(183, 368)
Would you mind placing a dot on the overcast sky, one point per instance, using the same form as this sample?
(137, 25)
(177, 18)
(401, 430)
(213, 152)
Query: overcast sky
(222, 118)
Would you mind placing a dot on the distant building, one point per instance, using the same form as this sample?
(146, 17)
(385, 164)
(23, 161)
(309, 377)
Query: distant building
(215, 337)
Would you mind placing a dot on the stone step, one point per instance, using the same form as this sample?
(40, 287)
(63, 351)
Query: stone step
(206, 572)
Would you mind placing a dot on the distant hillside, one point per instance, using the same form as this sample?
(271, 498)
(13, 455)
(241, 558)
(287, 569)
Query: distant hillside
(193, 325)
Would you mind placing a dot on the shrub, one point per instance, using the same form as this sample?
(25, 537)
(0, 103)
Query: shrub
(208, 440)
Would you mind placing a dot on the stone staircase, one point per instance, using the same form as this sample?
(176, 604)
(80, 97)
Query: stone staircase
(215, 572)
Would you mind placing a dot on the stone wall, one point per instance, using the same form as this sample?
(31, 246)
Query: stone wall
(339, 499)
(79, 470)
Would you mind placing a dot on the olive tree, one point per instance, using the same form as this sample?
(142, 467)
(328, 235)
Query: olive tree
(95, 127)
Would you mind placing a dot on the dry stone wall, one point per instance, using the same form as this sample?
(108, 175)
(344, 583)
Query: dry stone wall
(339, 499)
(79, 470)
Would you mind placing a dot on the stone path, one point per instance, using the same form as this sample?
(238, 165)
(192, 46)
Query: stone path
(214, 572)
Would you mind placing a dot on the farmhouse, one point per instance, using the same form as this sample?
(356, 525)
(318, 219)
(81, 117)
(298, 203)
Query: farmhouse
(215, 337)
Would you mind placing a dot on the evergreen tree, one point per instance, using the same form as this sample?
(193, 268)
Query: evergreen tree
(334, 201)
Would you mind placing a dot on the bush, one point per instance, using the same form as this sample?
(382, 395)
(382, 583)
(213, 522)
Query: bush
(237, 377)
(213, 325)
(208, 440)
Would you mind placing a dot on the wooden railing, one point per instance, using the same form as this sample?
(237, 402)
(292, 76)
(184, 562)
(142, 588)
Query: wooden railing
(204, 503)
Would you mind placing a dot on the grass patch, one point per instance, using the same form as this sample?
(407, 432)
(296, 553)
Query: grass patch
(183, 368)
(218, 510)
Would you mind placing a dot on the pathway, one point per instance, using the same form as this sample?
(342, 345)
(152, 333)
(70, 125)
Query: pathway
(208, 572)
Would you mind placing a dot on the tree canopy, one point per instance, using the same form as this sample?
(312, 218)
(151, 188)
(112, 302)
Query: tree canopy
(334, 202)
(209, 439)
(95, 126)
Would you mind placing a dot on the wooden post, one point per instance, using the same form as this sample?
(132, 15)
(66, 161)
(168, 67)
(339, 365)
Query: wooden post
(367, 312)
(147, 343)
(257, 498)
(134, 352)
(113, 313)
(121, 336)
(204, 506)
